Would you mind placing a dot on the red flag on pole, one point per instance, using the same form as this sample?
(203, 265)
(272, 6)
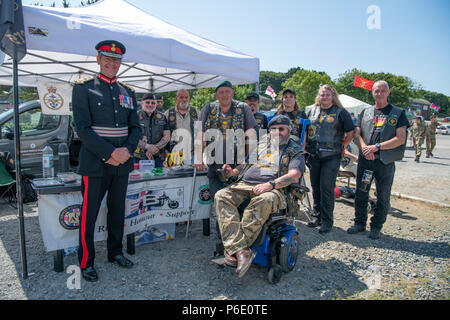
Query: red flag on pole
(360, 82)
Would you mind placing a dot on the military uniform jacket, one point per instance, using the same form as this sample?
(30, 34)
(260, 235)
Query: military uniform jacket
(418, 130)
(104, 113)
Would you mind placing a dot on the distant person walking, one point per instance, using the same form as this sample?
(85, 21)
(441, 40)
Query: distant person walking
(430, 135)
(418, 135)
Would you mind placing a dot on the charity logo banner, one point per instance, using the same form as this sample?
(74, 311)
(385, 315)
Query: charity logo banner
(147, 203)
(55, 97)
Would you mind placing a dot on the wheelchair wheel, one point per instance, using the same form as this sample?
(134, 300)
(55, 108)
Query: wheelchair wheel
(274, 274)
(289, 253)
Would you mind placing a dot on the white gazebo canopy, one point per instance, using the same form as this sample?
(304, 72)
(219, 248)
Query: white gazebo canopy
(351, 104)
(159, 57)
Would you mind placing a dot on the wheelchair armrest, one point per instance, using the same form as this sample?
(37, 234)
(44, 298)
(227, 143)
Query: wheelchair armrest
(299, 186)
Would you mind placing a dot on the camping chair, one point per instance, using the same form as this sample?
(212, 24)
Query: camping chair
(7, 181)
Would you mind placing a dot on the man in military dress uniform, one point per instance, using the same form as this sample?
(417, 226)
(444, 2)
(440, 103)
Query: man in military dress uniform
(104, 112)
(183, 116)
(430, 135)
(418, 134)
(155, 132)
(263, 184)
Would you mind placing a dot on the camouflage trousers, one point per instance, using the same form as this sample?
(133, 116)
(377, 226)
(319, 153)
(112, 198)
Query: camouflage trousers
(418, 145)
(238, 234)
(430, 142)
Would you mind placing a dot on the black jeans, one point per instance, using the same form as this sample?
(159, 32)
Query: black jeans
(384, 177)
(323, 173)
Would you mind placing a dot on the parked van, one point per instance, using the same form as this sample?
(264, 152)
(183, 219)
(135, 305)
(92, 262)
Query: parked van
(36, 130)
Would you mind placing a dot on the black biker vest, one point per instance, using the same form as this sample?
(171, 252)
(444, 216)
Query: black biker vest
(388, 132)
(325, 133)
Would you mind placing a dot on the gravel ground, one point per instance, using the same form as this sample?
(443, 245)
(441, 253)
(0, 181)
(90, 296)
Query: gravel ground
(412, 258)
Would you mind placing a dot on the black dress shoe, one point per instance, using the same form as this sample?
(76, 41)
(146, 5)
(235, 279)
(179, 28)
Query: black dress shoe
(89, 274)
(121, 261)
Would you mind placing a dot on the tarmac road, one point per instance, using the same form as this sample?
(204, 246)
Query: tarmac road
(430, 178)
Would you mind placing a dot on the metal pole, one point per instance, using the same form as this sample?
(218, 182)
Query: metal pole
(191, 200)
(18, 170)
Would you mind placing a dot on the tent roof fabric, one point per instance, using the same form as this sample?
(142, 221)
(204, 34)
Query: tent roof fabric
(159, 57)
(351, 104)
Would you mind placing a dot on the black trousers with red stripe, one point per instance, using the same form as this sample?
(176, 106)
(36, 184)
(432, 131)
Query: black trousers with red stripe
(93, 191)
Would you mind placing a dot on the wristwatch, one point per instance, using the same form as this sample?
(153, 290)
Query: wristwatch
(272, 182)
(378, 145)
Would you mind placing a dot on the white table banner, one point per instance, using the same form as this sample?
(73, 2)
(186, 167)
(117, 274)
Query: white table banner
(147, 203)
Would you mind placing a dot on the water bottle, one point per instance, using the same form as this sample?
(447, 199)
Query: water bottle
(63, 156)
(135, 174)
(47, 162)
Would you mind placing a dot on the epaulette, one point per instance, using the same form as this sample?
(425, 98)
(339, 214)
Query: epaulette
(126, 85)
(84, 80)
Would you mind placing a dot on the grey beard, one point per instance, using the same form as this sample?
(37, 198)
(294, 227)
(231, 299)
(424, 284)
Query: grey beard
(183, 106)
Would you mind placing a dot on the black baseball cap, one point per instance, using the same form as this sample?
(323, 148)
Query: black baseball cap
(149, 95)
(252, 95)
(289, 90)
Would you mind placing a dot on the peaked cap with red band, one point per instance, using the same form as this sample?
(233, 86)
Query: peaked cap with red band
(111, 48)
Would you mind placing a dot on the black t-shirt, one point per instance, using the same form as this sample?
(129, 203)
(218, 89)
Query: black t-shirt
(380, 117)
(258, 173)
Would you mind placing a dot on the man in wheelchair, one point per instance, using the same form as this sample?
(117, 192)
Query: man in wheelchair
(264, 185)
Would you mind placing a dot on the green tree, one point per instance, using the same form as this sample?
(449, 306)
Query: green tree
(306, 83)
(200, 97)
(270, 78)
(434, 97)
(402, 88)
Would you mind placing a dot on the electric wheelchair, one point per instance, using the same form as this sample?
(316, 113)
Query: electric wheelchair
(277, 245)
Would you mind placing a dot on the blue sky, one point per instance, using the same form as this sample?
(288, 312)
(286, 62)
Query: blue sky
(327, 35)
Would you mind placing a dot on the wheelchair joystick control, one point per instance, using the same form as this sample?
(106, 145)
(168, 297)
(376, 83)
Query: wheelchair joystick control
(222, 175)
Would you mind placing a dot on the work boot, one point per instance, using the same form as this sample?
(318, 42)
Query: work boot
(417, 159)
(374, 234)
(356, 228)
(244, 261)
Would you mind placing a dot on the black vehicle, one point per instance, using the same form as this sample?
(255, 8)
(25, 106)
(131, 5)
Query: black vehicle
(37, 130)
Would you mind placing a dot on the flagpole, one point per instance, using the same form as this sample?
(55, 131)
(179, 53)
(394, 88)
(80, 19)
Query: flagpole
(18, 170)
